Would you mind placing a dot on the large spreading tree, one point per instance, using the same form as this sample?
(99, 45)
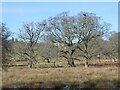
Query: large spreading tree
(89, 29)
(61, 33)
(76, 32)
(30, 34)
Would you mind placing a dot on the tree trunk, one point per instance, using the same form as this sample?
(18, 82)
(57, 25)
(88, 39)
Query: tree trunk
(114, 59)
(98, 59)
(71, 61)
(86, 63)
(48, 61)
(30, 64)
(54, 63)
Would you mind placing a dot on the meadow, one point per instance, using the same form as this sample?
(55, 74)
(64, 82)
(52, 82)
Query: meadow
(59, 76)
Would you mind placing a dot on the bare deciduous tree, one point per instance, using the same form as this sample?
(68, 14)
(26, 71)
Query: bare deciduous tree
(89, 29)
(61, 33)
(30, 34)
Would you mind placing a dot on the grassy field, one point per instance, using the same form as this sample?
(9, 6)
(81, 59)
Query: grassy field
(98, 75)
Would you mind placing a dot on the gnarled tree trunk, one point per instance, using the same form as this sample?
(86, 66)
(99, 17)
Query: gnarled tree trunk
(70, 59)
(30, 64)
(86, 63)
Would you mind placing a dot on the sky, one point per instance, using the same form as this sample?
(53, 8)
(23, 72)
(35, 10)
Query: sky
(15, 14)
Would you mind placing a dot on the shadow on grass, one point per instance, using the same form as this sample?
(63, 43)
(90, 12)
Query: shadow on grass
(89, 85)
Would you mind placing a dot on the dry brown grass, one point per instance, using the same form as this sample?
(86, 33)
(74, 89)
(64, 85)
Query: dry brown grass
(98, 77)
(0, 77)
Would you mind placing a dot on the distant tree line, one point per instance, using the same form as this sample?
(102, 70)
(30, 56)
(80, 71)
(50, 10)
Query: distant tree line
(83, 34)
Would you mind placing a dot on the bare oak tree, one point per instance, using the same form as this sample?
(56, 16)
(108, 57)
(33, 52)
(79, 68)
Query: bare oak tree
(61, 33)
(30, 34)
(89, 29)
